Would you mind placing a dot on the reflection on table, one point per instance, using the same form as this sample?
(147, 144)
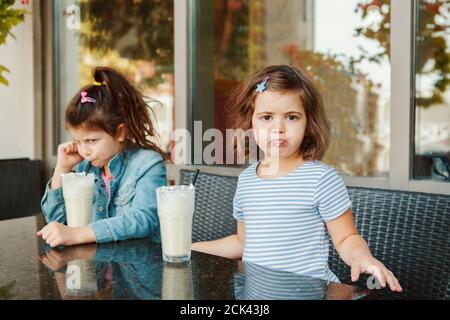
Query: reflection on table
(135, 270)
(262, 283)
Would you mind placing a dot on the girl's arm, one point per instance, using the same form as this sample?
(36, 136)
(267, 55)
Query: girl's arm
(355, 253)
(52, 202)
(56, 234)
(230, 247)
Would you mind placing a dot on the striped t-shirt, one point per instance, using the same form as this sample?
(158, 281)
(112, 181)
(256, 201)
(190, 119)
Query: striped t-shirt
(284, 217)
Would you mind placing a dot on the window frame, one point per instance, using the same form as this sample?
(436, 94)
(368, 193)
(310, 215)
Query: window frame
(400, 176)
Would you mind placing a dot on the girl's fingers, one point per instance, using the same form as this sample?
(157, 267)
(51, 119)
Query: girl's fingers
(356, 271)
(41, 232)
(44, 233)
(400, 289)
(390, 281)
(376, 271)
(46, 262)
(65, 148)
(69, 149)
(397, 286)
(74, 147)
(50, 259)
(394, 285)
(53, 254)
(381, 278)
(54, 243)
(50, 239)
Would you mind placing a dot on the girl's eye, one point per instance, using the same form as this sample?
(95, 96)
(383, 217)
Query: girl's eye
(292, 117)
(92, 140)
(267, 117)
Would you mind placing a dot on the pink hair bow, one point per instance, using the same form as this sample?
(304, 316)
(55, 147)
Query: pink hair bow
(85, 98)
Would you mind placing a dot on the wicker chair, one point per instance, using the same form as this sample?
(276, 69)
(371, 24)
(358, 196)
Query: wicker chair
(407, 231)
(213, 205)
(21, 188)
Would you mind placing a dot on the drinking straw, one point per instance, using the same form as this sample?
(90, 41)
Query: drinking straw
(195, 177)
(88, 167)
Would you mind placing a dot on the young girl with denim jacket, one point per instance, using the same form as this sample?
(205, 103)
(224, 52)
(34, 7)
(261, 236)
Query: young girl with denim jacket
(113, 139)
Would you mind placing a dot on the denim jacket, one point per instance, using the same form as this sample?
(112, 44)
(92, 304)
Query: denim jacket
(130, 210)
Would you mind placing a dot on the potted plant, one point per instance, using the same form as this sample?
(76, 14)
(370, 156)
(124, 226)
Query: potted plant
(9, 18)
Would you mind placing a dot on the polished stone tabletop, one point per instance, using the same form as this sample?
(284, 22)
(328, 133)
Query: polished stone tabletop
(29, 269)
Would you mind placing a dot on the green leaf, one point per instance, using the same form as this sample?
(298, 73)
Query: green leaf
(4, 81)
(9, 18)
(2, 78)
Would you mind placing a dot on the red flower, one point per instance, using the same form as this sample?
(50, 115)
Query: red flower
(234, 5)
(26, 2)
(290, 49)
(433, 8)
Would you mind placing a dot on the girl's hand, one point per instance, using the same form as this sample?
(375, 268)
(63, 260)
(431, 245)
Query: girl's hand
(56, 234)
(55, 259)
(370, 265)
(68, 156)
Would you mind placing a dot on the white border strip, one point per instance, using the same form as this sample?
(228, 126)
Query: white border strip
(181, 67)
(181, 24)
(400, 124)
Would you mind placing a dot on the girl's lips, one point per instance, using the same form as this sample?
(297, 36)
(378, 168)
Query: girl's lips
(278, 142)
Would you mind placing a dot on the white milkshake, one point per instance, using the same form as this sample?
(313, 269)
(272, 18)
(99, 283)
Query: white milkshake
(175, 210)
(78, 191)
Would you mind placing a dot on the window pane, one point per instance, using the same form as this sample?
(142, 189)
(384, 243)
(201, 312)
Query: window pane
(134, 37)
(432, 90)
(342, 45)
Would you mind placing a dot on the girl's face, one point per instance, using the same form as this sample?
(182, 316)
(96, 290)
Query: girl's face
(279, 123)
(96, 145)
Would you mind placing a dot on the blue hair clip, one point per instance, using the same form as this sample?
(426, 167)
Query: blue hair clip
(262, 85)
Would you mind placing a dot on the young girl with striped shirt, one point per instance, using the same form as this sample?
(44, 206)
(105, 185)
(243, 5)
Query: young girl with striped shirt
(289, 204)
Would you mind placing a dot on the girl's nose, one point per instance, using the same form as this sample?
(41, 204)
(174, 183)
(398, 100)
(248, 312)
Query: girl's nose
(85, 150)
(279, 127)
